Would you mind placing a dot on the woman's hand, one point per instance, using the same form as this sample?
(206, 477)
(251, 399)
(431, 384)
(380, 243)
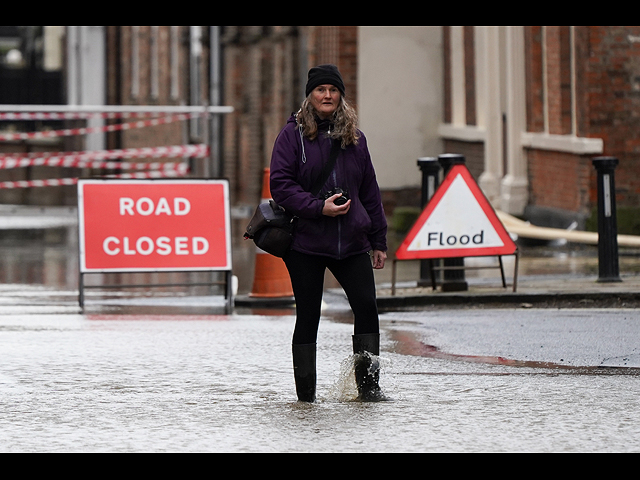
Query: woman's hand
(330, 209)
(378, 259)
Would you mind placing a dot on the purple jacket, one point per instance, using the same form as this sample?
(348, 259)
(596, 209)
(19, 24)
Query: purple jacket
(294, 170)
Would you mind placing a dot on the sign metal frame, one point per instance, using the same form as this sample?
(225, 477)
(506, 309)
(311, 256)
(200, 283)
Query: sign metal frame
(224, 266)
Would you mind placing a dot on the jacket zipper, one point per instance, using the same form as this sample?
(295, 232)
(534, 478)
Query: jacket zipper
(335, 185)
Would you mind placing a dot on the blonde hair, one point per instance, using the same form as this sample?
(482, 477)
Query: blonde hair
(344, 119)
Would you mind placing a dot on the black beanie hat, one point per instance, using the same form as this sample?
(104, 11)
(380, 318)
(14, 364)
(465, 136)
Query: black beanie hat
(324, 74)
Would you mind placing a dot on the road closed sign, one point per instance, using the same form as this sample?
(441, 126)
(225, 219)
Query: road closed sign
(457, 222)
(154, 225)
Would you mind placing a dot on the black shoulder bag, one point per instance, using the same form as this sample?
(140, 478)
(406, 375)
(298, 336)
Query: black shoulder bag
(271, 227)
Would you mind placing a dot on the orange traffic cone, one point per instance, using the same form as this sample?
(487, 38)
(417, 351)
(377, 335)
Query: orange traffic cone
(271, 282)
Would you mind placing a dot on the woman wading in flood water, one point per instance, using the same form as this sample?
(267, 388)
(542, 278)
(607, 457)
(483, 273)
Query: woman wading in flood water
(342, 229)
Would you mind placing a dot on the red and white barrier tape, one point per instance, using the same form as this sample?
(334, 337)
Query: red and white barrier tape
(105, 128)
(56, 182)
(13, 116)
(87, 159)
(108, 165)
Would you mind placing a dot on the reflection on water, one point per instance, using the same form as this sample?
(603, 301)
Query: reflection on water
(39, 258)
(407, 343)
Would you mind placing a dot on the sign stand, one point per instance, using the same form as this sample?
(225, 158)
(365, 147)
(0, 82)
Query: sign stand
(152, 226)
(228, 290)
(457, 222)
(433, 269)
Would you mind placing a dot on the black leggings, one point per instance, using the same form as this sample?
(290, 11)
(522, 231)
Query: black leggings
(355, 275)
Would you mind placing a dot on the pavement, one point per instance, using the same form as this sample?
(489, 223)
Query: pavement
(551, 275)
(550, 291)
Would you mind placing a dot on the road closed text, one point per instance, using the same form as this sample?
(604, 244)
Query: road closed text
(162, 245)
(145, 206)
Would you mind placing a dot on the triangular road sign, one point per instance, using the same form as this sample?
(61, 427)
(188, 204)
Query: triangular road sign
(457, 222)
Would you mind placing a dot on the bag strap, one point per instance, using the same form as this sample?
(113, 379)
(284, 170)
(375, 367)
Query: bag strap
(327, 168)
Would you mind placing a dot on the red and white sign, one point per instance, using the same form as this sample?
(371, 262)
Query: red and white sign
(154, 225)
(457, 222)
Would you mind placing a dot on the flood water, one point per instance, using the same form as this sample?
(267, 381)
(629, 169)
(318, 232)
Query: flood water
(224, 383)
(142, 374)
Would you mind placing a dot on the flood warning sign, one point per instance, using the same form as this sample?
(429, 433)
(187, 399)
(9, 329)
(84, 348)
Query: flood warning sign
(457, 222)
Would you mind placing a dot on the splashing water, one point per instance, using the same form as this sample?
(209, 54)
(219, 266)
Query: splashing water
(344, 388)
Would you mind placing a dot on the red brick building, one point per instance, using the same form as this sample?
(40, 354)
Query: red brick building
(580, 89)
(528, 106)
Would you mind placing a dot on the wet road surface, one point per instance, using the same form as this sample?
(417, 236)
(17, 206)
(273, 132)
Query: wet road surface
(460, 381)
(167, 372)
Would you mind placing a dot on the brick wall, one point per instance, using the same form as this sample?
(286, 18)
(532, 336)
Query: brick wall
(534, 79)
(120, 91)
(261, 81)
(614, 102)
(337, 45)
(559, 180)
(607, 89)
(473, 153)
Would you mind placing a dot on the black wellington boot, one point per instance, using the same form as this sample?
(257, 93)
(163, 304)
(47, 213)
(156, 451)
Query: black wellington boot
(366, 349)
(304, 371)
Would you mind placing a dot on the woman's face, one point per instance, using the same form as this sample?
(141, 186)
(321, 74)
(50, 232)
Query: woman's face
(325, 99)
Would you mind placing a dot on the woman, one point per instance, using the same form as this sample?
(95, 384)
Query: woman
(335, 229)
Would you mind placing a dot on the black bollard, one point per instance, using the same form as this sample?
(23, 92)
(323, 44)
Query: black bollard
(609, 266)
(430, 168)
(453, 280)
